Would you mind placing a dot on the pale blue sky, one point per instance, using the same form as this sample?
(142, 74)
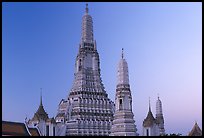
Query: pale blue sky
(162, 44)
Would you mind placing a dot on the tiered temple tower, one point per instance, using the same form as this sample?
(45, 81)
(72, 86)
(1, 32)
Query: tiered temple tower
(123, 123)
(159, 117)
(87, 110)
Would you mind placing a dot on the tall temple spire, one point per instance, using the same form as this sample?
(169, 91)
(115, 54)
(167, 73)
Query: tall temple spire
(123, 100)
(87, 88)
(159, 116)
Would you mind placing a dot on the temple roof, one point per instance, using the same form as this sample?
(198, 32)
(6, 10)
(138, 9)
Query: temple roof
(196, 131)
(34, 131)
(18, 129)
(51, 120)
(40, 114)
(60, 115)
(149, 120)
(14, 129)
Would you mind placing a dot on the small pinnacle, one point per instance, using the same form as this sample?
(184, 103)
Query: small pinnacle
(87, 8)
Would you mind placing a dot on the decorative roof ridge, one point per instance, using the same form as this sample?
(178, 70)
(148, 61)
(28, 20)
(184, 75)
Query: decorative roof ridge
(150, 116)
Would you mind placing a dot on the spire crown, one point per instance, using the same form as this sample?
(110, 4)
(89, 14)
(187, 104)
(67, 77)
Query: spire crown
(123, 76)
(122, 53)
(87, 28)
(87, 9)
(158, 107)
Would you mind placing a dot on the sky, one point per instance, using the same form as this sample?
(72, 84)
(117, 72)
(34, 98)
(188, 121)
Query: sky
(162, 44)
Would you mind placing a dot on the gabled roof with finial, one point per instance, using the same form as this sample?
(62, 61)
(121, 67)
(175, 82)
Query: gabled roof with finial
(40, 114)
(149, 120)
(196, 131)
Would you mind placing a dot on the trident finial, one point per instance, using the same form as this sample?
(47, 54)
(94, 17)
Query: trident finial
(122, 53)
(87, 8)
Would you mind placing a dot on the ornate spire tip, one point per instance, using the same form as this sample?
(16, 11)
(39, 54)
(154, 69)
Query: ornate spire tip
(122, 53)
(87, 8)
